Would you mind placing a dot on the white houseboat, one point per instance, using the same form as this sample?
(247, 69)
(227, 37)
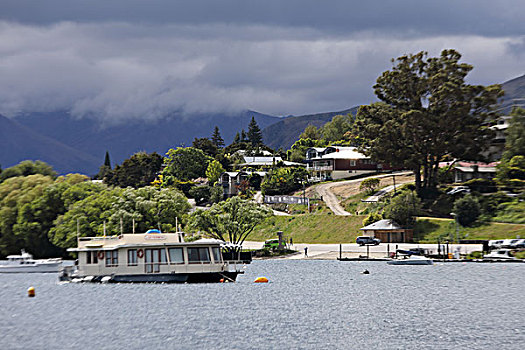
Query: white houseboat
(24, 263)
(151, 257)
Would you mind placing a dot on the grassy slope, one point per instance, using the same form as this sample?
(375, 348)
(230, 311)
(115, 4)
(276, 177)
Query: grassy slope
(310, 228)
(336, 229)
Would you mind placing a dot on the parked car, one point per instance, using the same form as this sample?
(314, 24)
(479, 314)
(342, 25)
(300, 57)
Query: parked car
(507, 243)
(495, 244)
(272, 244)
(459, 189)
(362, 240)
(520, 243)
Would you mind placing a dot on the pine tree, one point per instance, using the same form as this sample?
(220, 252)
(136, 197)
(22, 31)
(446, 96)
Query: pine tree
(237, 138)
(216, 138)
(254, 133)
(107, 162)
(243, 135)
(105, 168)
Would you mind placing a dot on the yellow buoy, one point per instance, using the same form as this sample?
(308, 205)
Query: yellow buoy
(261, 280)
(31, 292)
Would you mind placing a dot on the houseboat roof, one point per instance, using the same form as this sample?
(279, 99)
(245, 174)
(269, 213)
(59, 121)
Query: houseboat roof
(136, 240)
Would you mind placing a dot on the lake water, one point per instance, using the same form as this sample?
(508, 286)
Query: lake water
(308, 305)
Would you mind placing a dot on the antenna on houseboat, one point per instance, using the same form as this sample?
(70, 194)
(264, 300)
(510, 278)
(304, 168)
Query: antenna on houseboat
(121, 226)
(158, 224)
(104, 228)
(78, 231)
(176, 224)
(133, 219)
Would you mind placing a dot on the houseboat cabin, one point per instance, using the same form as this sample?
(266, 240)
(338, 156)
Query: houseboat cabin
(152, 257)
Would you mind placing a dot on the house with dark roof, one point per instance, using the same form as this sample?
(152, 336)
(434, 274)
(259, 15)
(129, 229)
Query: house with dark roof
(336, 162)
(464, 171)
(388, 231)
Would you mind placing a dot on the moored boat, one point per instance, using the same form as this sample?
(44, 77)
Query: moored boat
(412, 260)
(24, 263)
(500, 254)
(151, 258)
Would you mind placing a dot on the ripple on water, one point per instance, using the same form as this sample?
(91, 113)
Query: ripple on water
(306, 305)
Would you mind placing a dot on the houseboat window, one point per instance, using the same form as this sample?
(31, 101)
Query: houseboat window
(176, 256)
(111, 257)
(198, 255)
(91, 258)
(132, 257)
(155, 258)
(216, 254)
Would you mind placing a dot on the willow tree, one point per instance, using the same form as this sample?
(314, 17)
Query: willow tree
(229, 221)
(427, 112)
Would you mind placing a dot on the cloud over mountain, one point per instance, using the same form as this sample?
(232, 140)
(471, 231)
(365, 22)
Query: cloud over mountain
(145, 59)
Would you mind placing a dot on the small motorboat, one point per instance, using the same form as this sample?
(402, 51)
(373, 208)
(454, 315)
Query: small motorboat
(411, 260)
(500, 254)
(25, 263)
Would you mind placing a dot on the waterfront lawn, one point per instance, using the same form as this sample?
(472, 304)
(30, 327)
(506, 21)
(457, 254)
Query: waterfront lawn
(429, 230)
(328, 228)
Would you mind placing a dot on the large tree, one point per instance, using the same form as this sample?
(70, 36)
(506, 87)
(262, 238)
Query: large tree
(427, 112)
(139, 170)
(216, 138)
(230, 221)
(515, 138)
(335, 129)
(28, 167)
(214, 171)
(206, 145)
(254, 133)
(185, 164)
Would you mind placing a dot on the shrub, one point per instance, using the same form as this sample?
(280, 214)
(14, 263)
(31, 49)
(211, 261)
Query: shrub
(370, 219)
(369, 185)
(201, 194)
(467, 210)
(216, 194)
(403, 208)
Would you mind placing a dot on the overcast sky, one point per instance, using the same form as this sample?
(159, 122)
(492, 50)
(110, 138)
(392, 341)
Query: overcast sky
(121, 59)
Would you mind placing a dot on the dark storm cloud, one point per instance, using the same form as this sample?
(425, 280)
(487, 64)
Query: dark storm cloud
(403, 17)
(143, 59)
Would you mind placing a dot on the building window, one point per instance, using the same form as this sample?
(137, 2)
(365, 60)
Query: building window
(155, 258)
(198, 255)
(132, 257)
(216, 254)
(111, 258)
(91, 258)
(176, 256)
(352, 163)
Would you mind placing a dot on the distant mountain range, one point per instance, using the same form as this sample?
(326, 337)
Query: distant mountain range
(91, 140)
(285, 132)
(78, 145)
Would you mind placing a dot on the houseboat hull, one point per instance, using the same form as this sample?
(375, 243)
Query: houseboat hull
(205, 277)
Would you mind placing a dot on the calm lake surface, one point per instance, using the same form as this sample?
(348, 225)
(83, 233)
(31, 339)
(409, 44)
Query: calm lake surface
(307, 305)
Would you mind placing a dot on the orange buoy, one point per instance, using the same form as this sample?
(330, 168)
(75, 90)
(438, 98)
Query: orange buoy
(261, 280)
(31, 292)
(221, 280)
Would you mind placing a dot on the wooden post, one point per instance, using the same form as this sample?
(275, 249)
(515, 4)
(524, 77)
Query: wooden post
(340, 251)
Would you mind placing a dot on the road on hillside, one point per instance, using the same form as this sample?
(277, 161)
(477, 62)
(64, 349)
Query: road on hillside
(325, 191)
